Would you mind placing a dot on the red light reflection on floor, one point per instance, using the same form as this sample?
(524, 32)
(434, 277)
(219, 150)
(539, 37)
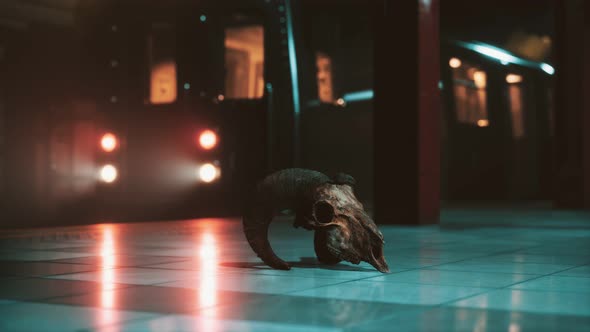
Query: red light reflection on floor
(108, 315)
(207, 281)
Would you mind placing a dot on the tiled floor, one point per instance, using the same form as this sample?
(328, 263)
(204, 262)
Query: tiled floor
(200, 275)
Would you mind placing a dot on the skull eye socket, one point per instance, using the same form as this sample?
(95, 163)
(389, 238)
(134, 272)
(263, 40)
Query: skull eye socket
(324, 212)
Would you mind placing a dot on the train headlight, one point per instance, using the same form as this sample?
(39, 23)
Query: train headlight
(108, 173)
(208, 173)
(109, 142)
(208, 139)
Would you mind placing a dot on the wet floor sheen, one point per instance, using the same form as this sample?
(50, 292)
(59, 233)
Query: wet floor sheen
(200, 275)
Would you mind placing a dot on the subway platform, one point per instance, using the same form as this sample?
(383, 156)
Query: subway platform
(504, 272)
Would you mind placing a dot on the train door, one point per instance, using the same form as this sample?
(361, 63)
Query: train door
(527, 100)
(240, 60)
(523, 169)
(497, 132)
(337, 81)
(476, 151)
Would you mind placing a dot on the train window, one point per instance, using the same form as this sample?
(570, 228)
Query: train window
(162, 64)
(324, 77)
(469, 87)
(515, 101)
(337, 54)
(244, 62)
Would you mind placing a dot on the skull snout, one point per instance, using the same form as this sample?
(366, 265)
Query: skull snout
(377, 259)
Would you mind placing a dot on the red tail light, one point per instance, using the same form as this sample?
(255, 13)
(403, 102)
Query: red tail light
(208, 139)
(109, 142)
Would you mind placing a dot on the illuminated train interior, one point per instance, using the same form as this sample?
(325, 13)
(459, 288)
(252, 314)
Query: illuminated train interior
(135, 115)
(497, 120)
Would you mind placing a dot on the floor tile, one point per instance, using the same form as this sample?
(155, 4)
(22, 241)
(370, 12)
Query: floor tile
(581, 271)
(314, 311)
(440, 254)
(558, 250)
(29, 317)
(41, 288)
(191, 264)
(560, 303)
(46, 245)
(478, 247)
(415, 262)
(269, 284)
(454, 278)
(122, 260)
(449, 319)
(132, 275)
(164, 300)
(308, 267)
(518, 257)
(483, 265)
(13, 268)
(392, 292)
(38, 255)
(180, 323)
(555, 283)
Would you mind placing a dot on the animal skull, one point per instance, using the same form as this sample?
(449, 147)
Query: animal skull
(344, 231)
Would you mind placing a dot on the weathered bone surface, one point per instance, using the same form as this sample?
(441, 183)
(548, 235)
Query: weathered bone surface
(344, 231)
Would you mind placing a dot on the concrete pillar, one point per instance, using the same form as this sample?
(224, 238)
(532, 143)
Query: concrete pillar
(572, 104)
(407, 112)
(586, 106)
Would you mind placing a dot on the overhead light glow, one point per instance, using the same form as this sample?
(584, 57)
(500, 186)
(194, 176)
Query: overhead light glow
(454, 63)
(548, 68)
(109, 142)
(208, 173)
(108, 173)
(208, 139)
(503, 56)
(358, 96)
(496, 53)
(513, 78)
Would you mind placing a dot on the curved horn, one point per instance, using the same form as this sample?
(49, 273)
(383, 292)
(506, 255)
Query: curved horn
(279, 190)
(343, 178)
(256, 230)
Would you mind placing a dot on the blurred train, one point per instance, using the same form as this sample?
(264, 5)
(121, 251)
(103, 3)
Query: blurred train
(497, 124)
(151, 109)
(144, 110)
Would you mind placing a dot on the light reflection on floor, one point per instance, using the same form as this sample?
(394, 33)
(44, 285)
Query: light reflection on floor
(108, 315)
(200, 275)
(207, 290)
